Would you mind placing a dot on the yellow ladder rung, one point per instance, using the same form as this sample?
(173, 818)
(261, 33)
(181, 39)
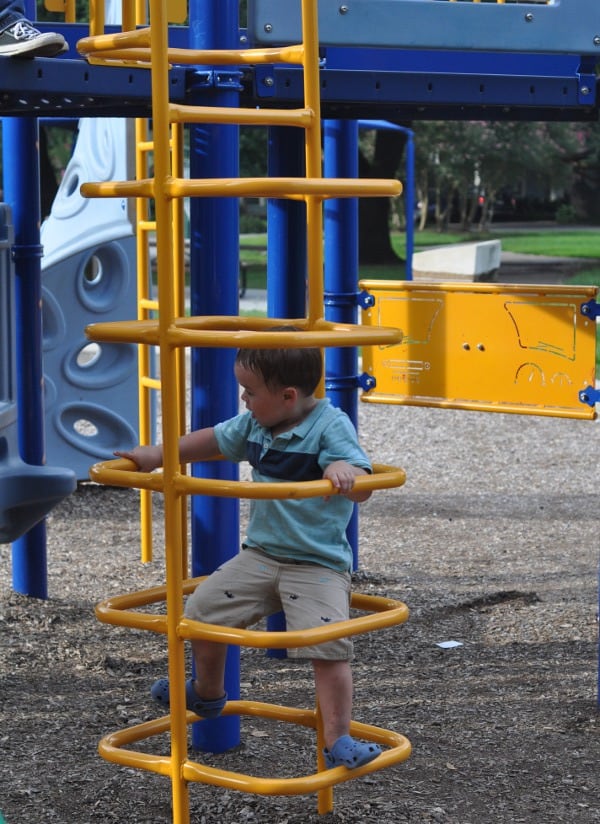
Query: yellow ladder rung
(288, 188)
(302, 118)
(150, 383)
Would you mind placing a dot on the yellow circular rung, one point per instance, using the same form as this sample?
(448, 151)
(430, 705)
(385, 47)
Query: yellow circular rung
(236, 332)
(121, 472)
(120, 610)
(112, 748)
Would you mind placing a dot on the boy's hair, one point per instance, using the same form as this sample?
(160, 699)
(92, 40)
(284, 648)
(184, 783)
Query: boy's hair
(300, 368)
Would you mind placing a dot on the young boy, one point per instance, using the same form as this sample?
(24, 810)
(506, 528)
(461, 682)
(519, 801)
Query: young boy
(295, 556)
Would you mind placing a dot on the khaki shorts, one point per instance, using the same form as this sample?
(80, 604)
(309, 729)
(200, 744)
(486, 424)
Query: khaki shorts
(252, 585)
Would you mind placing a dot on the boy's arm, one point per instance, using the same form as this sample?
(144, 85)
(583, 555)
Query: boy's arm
(200, 445)
(342, 476)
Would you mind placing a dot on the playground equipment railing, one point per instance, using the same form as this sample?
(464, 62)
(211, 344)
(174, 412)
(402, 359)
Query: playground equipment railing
(149, 305)
(171, 333)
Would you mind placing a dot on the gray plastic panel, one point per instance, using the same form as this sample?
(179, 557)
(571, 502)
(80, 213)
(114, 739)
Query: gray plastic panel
(27, 493)
(7, 320)
(556, 27)
(91, 389)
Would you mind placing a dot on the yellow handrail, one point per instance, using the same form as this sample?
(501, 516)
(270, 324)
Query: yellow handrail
(122, 610)
(234, 332)
(121, 472)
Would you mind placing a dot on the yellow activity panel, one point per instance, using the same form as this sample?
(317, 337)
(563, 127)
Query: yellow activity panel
(490, 347)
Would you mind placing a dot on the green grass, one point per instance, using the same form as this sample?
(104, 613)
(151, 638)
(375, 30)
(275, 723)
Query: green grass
(589, 277)
(556, 242)
(256, 277)
(559, 244)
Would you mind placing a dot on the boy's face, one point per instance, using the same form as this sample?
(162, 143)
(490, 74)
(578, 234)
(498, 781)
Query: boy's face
(269, 407)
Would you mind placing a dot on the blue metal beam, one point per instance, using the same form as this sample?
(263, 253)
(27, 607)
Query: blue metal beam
(356, 83)
(440, 85)
(552, 28)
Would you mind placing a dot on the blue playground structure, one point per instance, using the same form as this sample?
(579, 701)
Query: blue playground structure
(379, 59)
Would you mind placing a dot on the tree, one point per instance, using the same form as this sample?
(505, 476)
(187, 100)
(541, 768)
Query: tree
(380, 155)
(464, 169)
(446, 158)
(585, 160)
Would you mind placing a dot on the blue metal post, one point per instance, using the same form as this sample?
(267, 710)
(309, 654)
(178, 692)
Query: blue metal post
(286, 221)
(286, 257)
(341, 274)
(409, 202)
(22, 193)
(341, 256)
(409, 184)
(214, 273)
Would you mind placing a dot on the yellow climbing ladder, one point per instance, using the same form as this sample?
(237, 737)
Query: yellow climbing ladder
(148, 305)
(171, 333)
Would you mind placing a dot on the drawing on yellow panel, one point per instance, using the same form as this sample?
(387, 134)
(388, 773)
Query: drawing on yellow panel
(558, 331)
(492, 347)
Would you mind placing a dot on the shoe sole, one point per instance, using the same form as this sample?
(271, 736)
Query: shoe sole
(35, 49)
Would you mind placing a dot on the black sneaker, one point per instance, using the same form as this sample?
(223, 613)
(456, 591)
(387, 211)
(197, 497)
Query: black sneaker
(24, 40)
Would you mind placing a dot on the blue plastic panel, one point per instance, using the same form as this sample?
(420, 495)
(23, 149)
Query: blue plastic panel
(555, 27)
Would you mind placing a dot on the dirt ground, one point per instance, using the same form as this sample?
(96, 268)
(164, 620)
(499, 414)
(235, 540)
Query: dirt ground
(492, 543)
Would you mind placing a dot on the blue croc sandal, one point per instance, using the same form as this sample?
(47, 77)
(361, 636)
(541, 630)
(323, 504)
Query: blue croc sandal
(202, 707)
(347, 752)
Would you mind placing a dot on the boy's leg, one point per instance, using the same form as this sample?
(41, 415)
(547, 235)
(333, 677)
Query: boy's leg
(312, 597)
(209, 659)
(333, 685)
(237, 594)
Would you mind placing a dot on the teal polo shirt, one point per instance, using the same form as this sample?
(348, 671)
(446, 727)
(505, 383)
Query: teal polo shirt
(308, 529)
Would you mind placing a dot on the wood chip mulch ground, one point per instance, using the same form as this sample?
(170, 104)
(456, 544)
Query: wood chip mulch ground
(492, 543)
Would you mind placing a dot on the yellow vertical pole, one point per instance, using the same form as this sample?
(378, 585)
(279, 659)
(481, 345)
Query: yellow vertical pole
(314, 210)
(128, 15)
(141, 12)
(70, 11)
(143, 273)
(170, 406)
(314, 239)
(325, 795)
(179, 289)
(96, 17)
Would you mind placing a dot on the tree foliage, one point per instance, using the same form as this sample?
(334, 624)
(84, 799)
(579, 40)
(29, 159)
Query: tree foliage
(584, 162)
(468, 171)
(465, 170)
